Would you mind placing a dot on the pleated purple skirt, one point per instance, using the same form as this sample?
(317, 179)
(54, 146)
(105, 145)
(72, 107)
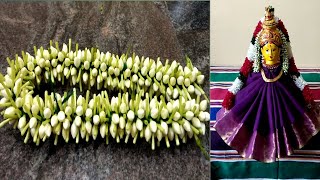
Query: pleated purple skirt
(268, 120)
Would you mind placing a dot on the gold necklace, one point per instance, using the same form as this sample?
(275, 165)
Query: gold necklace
(270, 80)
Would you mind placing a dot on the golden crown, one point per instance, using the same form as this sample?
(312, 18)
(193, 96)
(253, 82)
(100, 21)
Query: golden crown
(270, 33)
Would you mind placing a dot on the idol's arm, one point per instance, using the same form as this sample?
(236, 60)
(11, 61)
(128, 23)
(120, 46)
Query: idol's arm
(245, 70)
(300, 83)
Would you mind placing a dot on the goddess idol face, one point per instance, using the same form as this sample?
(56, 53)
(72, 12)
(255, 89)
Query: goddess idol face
(271, 54)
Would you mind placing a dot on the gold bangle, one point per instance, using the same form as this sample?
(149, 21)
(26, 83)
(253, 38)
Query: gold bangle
(271, 80)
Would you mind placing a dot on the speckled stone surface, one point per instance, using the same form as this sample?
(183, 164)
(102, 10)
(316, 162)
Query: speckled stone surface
(166, 29)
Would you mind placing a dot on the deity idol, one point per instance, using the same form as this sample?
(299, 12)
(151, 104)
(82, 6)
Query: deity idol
(269, 110)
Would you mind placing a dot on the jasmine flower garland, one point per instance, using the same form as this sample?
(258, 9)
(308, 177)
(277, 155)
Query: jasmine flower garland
(136, 97)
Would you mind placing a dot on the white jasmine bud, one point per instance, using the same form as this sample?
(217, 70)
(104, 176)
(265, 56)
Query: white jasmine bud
(203, 105)
(47, 113)
(42, 130)
(103, 67)
(95, 132)
(176, 116)
(172, 81)
(48, 130)
(79, 110)
(159, 135)
(37, 70)
(175, 93)
(153, 126)
(189, 115)
(164, 126)
(89, 113)
(147, 82)
(140, 113)
(202, 116)
(155, 87)
(123, 108)
(66, 124)
(187, 82)
(94, 72)
(77, 121)
(54, 52)
(196, 122)
(159, 75)
(170, 134)
(152, 72)
(102, 130)
(207, 116)
(115, 118)
(154, 113)
(141, 82)
(129, 63)
(96, 119)
(61, 116)
(74, 130)
(91, 103)
(54, 120)
(33, 122)
(88, 127)
(130, 115)
(19, 102)
(35, 109)
(139, 124)
(30, 66)
(203, 128)
(86, 65)
(144, 70)
(77, 62)
(135, 78)
(164, 113)
(22, 122)
(68, 110)
(60, 56)
(165, 79)
(191, 89)
(180, 80)
(65, 48)
(176, 127)
(46, 54)
(200, 79)
(187, 125)
(122, 122)
(147, 133)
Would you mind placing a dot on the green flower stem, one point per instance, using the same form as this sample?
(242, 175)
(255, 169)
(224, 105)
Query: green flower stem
(201, 91)
(69, 46)
(24, 129)
(195, 130)
(77, 47)
(186, 92)
(160, 127)
(35, 137)
(160, 109)
(204, 152)
(27, 137)
(135, 138)
(5, 122)
(57, 46)
(7, 91)
(152, 142)
(167, 141)
(5, 104)
(147, 106)
(176, 137)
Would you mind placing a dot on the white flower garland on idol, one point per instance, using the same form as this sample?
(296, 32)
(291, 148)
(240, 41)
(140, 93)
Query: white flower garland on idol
(137, 97)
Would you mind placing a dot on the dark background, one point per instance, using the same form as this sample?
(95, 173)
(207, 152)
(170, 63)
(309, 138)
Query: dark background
(166, 29)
